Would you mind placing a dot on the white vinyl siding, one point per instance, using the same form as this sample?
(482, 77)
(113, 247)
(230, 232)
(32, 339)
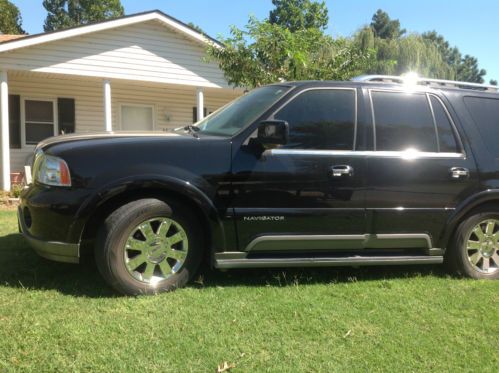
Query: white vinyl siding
(148, 51)
(172, 103)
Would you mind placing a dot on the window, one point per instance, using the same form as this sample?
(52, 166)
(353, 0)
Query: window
(39, 120)
(403, 121)
(446, 136)
(322, 119)
(485, 113)
(137, 117)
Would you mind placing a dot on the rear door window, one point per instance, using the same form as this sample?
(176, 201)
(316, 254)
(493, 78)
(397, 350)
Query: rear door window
(485, 113)
(403, 121)
(447, 139)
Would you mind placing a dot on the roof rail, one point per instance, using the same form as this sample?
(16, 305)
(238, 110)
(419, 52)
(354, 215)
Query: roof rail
(426, 81)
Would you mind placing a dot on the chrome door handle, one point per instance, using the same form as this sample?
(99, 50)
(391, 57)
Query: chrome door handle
(341, 170)
(459, 172)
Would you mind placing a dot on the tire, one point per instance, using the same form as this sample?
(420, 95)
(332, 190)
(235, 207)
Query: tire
(474, 254)
(139, 241)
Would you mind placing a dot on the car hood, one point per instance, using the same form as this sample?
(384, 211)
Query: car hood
(104, 135)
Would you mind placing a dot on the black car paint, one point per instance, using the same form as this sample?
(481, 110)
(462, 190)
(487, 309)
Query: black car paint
(231, 180)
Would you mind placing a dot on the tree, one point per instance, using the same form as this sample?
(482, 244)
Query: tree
(469, 71)
(386, 28)
(299, 14)
(265, 53)
(493, 82)
(196, 27)
(69, 13)
(10, 18)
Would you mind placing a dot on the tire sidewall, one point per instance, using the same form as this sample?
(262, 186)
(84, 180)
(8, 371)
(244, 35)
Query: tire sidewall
(120, 225)
(461, 255)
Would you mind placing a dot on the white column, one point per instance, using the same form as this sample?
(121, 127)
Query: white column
(4, 124)
(108, 117)
(200, 103)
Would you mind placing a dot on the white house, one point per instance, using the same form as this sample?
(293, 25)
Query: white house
(140, 72)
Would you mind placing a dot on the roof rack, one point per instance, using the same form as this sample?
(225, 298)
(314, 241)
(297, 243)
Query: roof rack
(426, 81)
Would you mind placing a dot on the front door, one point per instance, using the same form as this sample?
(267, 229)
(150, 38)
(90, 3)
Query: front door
(308, 194)
(137, 117)
(419, 171)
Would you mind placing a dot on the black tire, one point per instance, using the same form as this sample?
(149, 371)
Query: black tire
(115, 231)
(457, 258)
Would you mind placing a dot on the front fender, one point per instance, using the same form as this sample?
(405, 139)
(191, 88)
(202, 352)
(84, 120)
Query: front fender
(150, 182)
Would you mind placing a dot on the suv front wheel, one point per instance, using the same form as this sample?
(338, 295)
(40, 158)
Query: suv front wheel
(475, 249)
(148, 246)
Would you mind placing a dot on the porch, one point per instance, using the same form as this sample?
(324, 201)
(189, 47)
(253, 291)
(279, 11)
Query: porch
(37, 105)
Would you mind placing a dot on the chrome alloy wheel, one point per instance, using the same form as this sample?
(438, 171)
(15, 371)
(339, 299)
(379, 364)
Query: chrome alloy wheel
(482, 246)
(155, 250)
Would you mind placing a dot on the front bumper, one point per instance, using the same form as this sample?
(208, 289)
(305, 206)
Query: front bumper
(57, 251)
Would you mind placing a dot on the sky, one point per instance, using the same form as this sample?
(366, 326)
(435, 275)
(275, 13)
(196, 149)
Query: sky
(472, 26)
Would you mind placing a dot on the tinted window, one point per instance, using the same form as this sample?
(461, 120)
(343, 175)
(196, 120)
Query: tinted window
(446, 134)
(321, 119)
(485, 113)
(403, 121)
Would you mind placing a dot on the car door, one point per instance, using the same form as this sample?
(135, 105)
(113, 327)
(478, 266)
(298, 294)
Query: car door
(306, 195)
(419, 170)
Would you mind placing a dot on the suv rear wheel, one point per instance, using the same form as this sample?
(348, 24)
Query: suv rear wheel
(148, 246)
(475, 251)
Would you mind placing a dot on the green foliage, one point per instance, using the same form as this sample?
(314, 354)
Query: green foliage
(493, 82)
(68, 13)
(196, 27)
(386, 28)
(299, 14)
(266, 53)
(10, 18)
(429, 54)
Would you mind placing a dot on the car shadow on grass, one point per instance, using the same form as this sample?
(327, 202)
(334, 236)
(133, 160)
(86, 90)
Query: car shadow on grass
(23, 268)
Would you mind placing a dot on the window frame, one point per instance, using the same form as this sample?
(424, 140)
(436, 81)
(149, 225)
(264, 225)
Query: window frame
(437, 154)
(55, 125)
(150, 106)
(317, 151)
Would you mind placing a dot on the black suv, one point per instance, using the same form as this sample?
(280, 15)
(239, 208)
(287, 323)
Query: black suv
(367, 172)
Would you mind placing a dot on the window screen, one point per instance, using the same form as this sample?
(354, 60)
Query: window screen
(39, 120)
(446, 135)
(403, 121)
(321, 119)
(485, 113)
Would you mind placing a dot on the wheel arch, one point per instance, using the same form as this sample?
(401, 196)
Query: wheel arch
(488, 198)
(109, 198)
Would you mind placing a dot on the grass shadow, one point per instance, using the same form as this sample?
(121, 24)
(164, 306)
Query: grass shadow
(23, 268)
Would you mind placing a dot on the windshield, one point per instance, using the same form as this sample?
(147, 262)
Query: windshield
(238, 114)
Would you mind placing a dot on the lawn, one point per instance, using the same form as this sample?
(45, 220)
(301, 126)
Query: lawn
(63, 317)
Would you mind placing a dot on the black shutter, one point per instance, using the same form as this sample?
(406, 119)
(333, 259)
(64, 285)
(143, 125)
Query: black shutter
(66, 115)
(15, 121)
(195, 114)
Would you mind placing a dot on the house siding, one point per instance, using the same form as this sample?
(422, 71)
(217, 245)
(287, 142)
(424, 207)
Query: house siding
(146, 51)
(175, 102)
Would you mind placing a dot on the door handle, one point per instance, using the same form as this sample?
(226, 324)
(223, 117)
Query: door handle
(459, 172)
(341, 170)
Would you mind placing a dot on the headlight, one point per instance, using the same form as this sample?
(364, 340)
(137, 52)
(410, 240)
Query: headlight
(50, 170)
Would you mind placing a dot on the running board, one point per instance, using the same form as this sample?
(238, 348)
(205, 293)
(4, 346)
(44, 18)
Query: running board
(325, 261)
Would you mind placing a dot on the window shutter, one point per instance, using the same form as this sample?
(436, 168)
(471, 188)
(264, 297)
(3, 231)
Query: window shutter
(15, 121)
(195, 114)
(66, 115)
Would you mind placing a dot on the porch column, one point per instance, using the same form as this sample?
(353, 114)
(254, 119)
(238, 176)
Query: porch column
(108, 117)
(200, 103)
(4, 124)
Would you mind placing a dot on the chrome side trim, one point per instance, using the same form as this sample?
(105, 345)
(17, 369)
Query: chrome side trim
(326, 262)
(408, 155)
(335, 242)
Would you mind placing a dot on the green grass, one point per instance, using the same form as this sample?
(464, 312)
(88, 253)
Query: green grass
(63, 317)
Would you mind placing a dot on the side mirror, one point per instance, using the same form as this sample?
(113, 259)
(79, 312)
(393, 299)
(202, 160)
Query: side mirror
(273, 132)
